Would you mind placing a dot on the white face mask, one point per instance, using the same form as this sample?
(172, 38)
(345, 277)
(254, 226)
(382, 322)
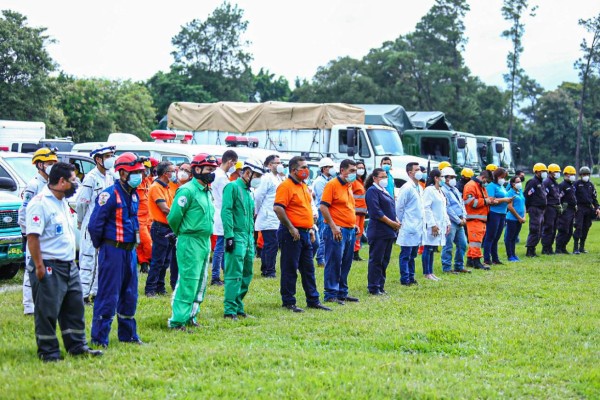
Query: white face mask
(544, 175)
(109, 163)
(332, 171)
(255, 182)
(173, 177)
(280, 169)
(452, 182)
(518, 186)
(501, 181)
(360, 172)
(231, 170)
(585, 178)
(556, 175)
(572, 178)
(383, 183)
(183, 176)
(48, 169)
(418, 175)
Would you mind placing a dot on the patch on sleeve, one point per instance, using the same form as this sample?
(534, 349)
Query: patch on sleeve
(103, 198)
(27, 196)
(531, 191)
(182, 201)
(36, 220)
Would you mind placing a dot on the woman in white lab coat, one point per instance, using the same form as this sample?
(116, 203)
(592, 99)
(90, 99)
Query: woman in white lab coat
(437, 222)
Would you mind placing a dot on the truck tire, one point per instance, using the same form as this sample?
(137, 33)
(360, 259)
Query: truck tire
(9, 271)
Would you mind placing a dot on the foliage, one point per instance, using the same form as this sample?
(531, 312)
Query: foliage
(267, 88)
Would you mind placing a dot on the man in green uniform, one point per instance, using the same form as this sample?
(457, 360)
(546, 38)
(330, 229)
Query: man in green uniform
(237, 213)
(191, 219)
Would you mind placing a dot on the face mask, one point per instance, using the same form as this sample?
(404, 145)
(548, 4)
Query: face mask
(303, 174)
(360, 172)
(386, 167)
(70, 192)
(556, 175)
(48, 169)
(109, 163)
(255, 182)
(452, 182)
(485, 184)
(544, 175)
(280, 169)
(134, 180)
(183, 176)
(585, 178)
(518, 186)
(572, 178)
(231, 170)
(418, 175)
(501, 181)
(383, 183)
(332, 172)
(351, 178)
(173, 177)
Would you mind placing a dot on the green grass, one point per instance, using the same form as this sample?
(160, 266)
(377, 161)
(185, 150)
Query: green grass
(527, 330)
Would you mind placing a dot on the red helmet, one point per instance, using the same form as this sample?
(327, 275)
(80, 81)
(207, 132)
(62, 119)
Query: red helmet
(129, 162)
(153, 162)
(202, 159)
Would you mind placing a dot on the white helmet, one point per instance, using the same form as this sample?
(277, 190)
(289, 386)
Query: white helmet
(325, 162)
(254, 165)
(102, 149)
(448, 171)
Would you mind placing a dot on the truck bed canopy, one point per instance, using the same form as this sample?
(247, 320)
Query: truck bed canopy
(432, 120)
(387, 114)
(251, 117)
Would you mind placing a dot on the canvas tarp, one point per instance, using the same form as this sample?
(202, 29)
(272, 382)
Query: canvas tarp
(251, 117)
(431, 120)
(386, 114)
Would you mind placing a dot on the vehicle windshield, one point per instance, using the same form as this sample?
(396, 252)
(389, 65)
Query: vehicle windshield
(385, 142)
(22, 166)
(468, 155)
(504, 159)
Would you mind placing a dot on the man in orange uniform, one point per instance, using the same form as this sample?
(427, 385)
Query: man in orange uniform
(360, 205)
(144, 249)
(477, 204)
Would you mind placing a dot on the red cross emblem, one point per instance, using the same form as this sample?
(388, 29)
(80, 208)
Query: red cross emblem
(36, 219)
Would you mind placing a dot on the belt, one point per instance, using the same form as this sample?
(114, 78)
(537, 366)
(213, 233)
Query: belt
(120, 245)
(58, 262)
(162, 224)
(303, 229)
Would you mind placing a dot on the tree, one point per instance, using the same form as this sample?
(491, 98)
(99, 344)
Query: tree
(24, 69)
(267, 88)
(512, 11)
(586, 65)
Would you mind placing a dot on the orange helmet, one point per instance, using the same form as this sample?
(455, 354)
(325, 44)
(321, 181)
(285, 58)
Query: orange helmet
(129, 162)
(204, 159)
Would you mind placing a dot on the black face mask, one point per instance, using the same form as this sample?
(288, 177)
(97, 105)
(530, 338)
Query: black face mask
(71, 191)
(205, 178)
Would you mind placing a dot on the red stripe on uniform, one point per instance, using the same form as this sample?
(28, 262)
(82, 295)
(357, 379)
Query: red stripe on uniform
(119, 219)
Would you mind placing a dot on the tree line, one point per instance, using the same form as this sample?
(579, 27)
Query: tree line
(423, 70)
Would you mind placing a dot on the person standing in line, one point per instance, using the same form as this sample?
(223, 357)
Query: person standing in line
(382, 230)
(515, 217)
(496, 217)
(437, 223)
(411, 215)
(553, 209)
(568, 202)
(266, 219)
(184, 175)
(237, 214)
(360, 205)
(191, 219)
(465, 176)
(160, 198)
(43, 159)
(228, 163)
(477, 203)
(327, 173)
(115, 233)
(144, 250)
(458, 220)
(52, 271)
(295, 236)
(386, 165)
(535, 202)
(587, 209)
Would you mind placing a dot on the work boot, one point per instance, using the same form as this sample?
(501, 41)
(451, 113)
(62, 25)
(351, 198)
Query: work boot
(357, 256)
(478, 265)
(144, 267)
(576, 247)
(582, 247)
(470, 262)
(531, 252)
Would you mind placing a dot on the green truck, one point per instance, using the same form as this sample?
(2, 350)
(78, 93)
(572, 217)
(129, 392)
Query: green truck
(498, 151)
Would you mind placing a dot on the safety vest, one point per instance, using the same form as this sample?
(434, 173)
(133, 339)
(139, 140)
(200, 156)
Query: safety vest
(474, 196)
(359, 192)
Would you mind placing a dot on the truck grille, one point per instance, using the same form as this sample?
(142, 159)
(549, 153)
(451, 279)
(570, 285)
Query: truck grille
(9, 219)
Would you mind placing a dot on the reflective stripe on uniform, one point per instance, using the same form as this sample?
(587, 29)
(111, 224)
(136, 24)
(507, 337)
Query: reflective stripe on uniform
(475, 203)
(469, 200)
(80, 331)
(125, 316)
(119, 219)
(46, 337)
(475, 244)
(360, 210)
(475, 216)
(359, 196)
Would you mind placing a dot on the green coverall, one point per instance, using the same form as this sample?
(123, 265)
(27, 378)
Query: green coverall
(237, 213)
(191, 219)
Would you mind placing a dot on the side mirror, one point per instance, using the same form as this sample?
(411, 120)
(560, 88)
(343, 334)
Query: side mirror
(8, 184)
(518, 151)
(483, 150)
(499, 147)
(461, 142)
(351, 140)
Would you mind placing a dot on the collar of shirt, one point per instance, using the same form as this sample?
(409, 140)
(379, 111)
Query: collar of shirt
(161, 183)
(41, 178)
(294, 180)
(342, 182)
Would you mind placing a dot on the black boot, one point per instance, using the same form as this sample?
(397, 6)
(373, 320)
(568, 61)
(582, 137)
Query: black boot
(547, 250)
(357, 256)
(576, 246)
(144, 268)
(470, 262)
(478, 265)
(531, 252)
(582, 247)
(564, 250)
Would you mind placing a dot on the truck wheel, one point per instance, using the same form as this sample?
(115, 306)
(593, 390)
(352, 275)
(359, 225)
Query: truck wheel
(9, 271)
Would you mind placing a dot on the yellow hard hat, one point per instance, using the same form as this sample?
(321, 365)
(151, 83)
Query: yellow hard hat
(491, 167)
(539, 167)
(569, 169)
(44, 154)
(443, 165)
(239, 165)
(553, 168)
(467, 172)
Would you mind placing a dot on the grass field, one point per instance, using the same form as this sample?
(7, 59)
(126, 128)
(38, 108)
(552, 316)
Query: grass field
(527, 330)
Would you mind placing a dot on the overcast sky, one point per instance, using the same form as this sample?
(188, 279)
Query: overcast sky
(131, 39)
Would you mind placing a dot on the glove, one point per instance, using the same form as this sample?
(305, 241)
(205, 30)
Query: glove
(172, 238)
(229, 245)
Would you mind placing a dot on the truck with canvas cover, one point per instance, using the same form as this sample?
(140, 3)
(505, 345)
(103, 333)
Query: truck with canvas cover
(498, 151)
(332, 130)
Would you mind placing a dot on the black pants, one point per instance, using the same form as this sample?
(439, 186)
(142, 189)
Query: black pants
(536, 221)
(380, 251)
(58, 297)
(583, 222)
(565, 227)
(551, 215)
(162, 251)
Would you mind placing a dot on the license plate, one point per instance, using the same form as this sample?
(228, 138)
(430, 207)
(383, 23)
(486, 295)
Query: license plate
(15, 251)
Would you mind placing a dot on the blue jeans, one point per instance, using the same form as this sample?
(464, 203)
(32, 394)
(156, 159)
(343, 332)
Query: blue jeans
(407, 263)
(493, 231)
(338, 260)
(513, 228)
(380, 251)
(218, 256)
(268, 255)
(296, 256)
(427, 259)
(455, 236)
(162, 251)
(320, 253)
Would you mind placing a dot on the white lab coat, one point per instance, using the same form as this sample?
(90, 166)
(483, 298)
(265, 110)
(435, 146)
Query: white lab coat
(434, 204)
(264, 198)
(410, 213)
(221, 180)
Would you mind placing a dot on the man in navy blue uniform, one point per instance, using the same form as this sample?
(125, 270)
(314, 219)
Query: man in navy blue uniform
(114, 231)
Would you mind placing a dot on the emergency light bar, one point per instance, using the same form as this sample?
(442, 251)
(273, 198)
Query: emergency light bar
(241, 141)
(165, 135)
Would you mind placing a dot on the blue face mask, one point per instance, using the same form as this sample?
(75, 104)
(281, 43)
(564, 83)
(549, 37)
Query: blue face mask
(134, 180)
(386, 167)
(351, 177)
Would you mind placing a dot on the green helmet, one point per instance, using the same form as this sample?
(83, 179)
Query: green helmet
(584, 171)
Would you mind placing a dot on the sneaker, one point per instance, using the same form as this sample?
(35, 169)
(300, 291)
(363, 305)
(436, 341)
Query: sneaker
(293, 308)
(232, 317)
(462, 271)
(512, 259)
(216, 282)
(435, 277)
